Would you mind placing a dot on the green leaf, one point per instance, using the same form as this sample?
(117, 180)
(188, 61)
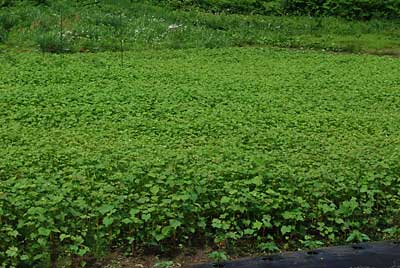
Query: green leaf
(44, 232)
(105, 209)
(83, 250)
(174, 223)
(347, 207)
(154, 190)
(166, 230)
(133, 212)
(357, 236)
(326, 208)
(107, 221)
(216, 223)
(285, 229)
(339, 221)
(127, 221)
(64, 236)
(269, 246)
(225, 200)
(12, 252)
(257, 225)
(146, 217)
(258, 180)
(248, 231)
(218, 256)
(159, 237)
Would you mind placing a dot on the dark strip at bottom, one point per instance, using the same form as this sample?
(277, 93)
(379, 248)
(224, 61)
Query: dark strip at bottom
(363, 255)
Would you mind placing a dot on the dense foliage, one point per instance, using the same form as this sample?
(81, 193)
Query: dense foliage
(177, 148)
(358, 9)
(71, 27)
(349, 9)
(353, 9)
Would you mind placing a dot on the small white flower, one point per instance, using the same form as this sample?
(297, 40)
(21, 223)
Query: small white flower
(174, 26)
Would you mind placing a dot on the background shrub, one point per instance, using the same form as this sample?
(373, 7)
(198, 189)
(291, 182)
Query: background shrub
(8, 3)
(7, 22)
(350, 9)
(54, 43)
(353, 9)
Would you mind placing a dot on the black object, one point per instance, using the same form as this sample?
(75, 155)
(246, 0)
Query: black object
(362, 255)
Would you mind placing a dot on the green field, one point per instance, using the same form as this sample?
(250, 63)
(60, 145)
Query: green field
(253, 147)
(165, 128)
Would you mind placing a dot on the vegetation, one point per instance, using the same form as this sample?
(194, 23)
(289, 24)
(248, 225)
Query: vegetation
(233, 142)
(259, 147)
(74, 27)
(349, 9)
(353, 9)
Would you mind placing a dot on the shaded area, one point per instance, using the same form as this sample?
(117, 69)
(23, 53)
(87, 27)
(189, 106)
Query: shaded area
(372, 255)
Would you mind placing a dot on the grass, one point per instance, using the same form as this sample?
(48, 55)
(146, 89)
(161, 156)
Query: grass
(237, 148)
(141, 26)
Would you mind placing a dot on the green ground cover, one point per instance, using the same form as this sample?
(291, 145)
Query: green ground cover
(256, 148)
(71, 27)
